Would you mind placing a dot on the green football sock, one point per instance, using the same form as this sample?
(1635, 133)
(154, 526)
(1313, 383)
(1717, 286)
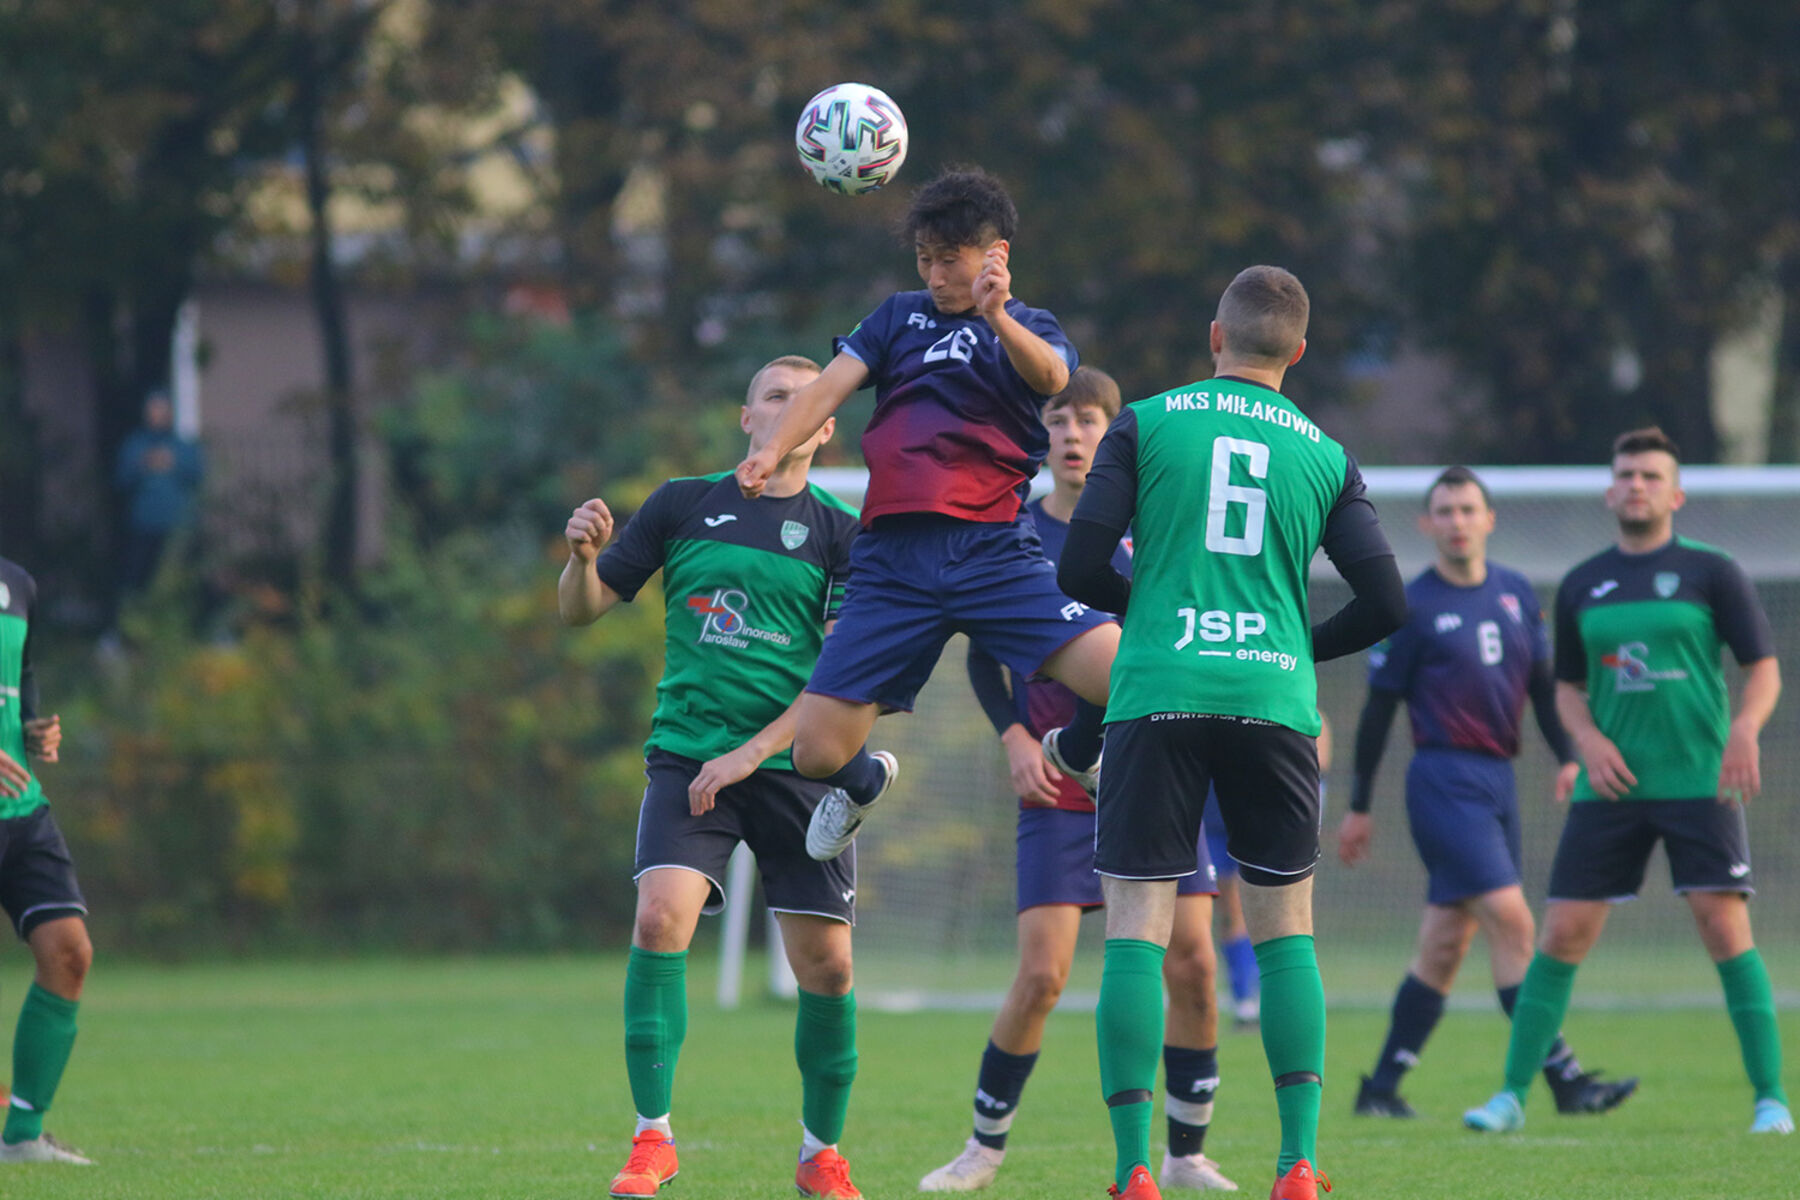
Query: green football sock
(655, 1026)
(41, 1047)
(1750, 999)
(825, 1049)
(1536, 1020)
(1293, 1036)
(1129, 1023)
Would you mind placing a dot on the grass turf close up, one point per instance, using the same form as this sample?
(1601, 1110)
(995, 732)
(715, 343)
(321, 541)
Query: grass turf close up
(504, 1078)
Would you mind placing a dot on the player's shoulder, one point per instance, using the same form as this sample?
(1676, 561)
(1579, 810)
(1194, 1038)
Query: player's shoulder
(1704, 552)
(838, 510)
(1503, 578)
(20, 586)
(1596, 566)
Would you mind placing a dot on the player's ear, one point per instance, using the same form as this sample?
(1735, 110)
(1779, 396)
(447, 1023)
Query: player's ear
(744, 418)
(1424, 520)
(827, 429)
(1299, 353)
(1215, 339)
(1004, 246)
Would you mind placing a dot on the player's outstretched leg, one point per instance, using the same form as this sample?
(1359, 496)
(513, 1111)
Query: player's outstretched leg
(1088, 778)
(856, 788)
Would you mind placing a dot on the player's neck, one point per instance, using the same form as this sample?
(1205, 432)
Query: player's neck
(1269, 377)
(1060, 503)
(1466, 572)
(788, 479)
(1643, 541)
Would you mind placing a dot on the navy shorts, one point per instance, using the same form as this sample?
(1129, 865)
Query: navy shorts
(917, 579)
(768, 811)
(1056, 861)
(1152, 792)
(37, 876)
(1212, 825)
(1606, 846)
(1464, 813)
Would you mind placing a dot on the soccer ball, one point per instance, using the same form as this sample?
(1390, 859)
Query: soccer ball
(852, 138)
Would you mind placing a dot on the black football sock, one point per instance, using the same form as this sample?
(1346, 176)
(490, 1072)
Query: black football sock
(1417, 1007)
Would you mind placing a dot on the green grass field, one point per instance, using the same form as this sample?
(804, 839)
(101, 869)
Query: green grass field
(502, 1078)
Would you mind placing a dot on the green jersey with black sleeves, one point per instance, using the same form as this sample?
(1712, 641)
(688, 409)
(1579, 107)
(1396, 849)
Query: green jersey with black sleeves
(18, 688)
(1643, 633)
(747, 588)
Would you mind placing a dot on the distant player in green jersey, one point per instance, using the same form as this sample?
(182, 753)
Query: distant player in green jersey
(1639, 631)
(749, 589)
(38, 889)
(1228, 491)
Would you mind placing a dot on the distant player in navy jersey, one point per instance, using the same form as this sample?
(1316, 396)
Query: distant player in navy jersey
(961, 370)
(1056, 879)
(1471, 652)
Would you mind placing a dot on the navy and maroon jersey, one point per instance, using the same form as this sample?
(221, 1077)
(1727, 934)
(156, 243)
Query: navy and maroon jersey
(956, 430)
(1043, 704)
(1464, 660)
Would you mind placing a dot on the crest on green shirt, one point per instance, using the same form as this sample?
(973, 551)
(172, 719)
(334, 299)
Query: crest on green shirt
(5, 596)
(1666, 582)
(793, 534)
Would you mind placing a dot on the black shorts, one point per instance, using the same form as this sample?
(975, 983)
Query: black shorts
(1153, 793)
(768, 811)
(37, 876)
(1606, 845)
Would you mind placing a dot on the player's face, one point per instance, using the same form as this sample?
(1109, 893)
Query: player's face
(950, 271)
(1645, 491)
(774, 389)
(1075, 433)
(1458, 521)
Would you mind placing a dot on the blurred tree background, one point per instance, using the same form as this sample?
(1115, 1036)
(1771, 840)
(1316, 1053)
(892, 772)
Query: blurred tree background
(1525, 225)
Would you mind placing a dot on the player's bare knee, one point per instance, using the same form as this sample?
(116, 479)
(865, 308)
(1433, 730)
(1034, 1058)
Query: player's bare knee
(1039, 987)
(659, 927)
(63, 953)
(816, 758)
(1189, 972)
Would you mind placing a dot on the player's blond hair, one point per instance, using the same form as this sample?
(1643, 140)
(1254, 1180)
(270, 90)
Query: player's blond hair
(798, 362)
(1263, 315)
(1089, 387)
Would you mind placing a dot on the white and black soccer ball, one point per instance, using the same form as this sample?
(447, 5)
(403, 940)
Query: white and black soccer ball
(852, 137)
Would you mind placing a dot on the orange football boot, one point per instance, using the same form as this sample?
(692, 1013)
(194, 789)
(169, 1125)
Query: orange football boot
(1139, 1185)
(652, 1164)
(1300, 1183)
(826, 1176)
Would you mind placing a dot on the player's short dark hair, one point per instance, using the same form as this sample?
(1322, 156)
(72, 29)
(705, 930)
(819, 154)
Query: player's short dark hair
(1643, 441)
(964, 206)
(1089, 387)
(1458, 476)
(1263, 314)
(797, 361)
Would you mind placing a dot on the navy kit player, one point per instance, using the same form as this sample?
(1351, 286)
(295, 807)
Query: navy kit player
(749, 587)
(961, 370)
(1472, 650)
(1056, 880)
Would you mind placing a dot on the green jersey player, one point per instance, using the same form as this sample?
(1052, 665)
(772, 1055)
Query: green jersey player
(749, 588)
(1639, 631)
(38, 888)
(1228, 490)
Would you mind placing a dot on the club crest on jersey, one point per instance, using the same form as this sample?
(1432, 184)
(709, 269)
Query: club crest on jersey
(723, 622)
(1510, 603)
(5, 596)
(1666, 583)
(793, 534)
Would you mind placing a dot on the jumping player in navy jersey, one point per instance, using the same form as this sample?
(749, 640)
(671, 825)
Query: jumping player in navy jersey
(961, 370)
(1056, 879)
(1472, 650)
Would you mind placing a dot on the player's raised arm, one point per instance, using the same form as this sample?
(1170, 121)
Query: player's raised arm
(581, 596)
(804, 415)
(1038, 363)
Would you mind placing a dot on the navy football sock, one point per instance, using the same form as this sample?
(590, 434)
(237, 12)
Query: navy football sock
(1192, 1079)
(1417, 1007)
(997, 1092)
(860, 778)
(1079, 742)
